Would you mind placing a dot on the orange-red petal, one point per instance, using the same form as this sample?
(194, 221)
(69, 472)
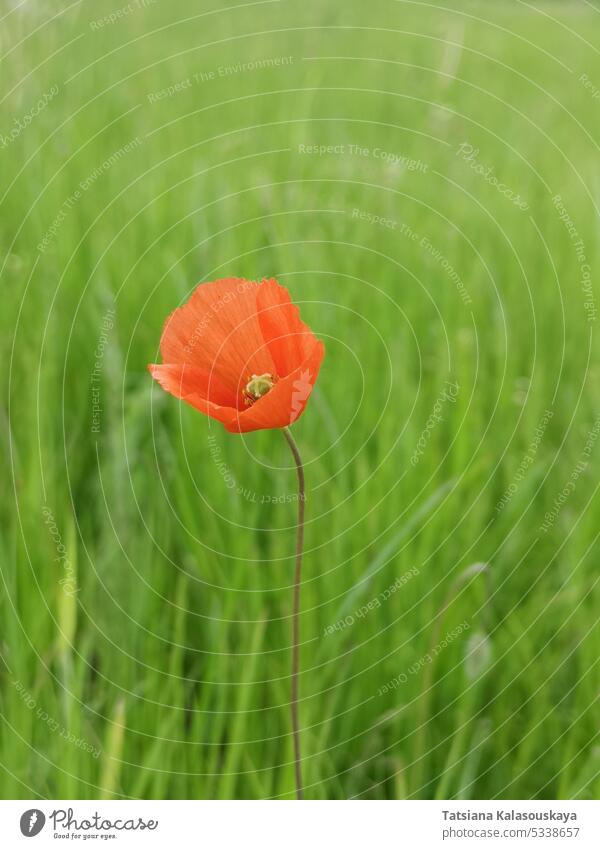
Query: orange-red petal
(285, 402)
(288, 339)
(218, 330)
(194, 386)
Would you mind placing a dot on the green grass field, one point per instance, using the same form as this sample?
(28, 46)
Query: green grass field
(396, 165)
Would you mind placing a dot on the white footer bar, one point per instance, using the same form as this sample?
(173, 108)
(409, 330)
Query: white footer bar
(301, 825)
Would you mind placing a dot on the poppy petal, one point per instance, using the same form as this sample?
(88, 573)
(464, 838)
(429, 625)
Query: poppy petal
(217, 330)
(288, 339)
(285, 402)
(203, 391)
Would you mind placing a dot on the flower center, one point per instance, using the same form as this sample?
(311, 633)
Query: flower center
(257, 386)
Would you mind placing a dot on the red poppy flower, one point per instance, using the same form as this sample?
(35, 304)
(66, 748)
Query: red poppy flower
(239, 352)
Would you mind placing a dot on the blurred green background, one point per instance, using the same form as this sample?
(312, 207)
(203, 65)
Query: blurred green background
(146, 568)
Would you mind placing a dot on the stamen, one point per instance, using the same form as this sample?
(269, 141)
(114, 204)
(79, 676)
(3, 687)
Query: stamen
(257, 386)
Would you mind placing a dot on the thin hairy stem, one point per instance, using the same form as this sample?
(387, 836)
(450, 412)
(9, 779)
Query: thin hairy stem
(296, 613)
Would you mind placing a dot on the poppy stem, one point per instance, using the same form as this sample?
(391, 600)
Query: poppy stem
(296, 612)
